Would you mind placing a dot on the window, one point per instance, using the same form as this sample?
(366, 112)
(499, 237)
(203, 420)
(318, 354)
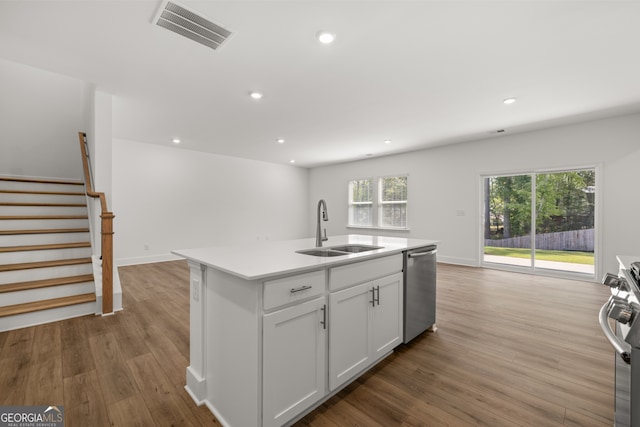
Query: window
(360, 203)
(393, 201)
(390, 207)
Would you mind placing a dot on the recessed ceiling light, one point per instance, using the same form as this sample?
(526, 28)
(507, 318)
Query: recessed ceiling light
(292, 161)
(280, 140)
(326, 37)
(387, 141)
(175, 141)
(509, 101)
(255, 95)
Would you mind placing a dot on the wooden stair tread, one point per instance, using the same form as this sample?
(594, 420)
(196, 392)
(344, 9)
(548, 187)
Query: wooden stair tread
(45, 283)
(40, 180)
(62, 205)
(44, 231)
(29, 307)
(49, 193)
(43, 217)
(44, 264)
(71, 245)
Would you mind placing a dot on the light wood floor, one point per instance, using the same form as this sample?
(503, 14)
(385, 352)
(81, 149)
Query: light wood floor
(510, 350)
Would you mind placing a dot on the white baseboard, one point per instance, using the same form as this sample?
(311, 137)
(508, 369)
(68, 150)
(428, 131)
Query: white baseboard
(195, 386)
(470, 262)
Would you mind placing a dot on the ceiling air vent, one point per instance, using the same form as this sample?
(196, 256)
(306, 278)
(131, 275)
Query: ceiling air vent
(191, 25)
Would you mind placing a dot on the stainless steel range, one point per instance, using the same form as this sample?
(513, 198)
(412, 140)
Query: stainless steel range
(623, 306)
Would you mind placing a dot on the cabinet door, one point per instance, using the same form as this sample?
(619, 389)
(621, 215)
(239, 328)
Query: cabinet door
(349, 338)
(386, 315)
(294, 360)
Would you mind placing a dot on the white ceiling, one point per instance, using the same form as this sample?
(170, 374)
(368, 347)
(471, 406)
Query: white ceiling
(421, 73)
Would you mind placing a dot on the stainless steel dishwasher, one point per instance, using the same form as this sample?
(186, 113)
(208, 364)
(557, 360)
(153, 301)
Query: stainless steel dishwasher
(419, 291)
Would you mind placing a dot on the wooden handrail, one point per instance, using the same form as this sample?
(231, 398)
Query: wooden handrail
(106, 231)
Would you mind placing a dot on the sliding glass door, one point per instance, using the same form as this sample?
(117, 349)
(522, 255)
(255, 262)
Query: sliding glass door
(508, 220)
(561, 204)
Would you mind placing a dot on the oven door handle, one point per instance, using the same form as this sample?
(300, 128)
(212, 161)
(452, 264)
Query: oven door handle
(621, 347)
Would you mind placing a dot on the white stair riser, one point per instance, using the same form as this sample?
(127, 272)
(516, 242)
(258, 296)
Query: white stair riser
(43, 255)
(37, 186)
(31, 295)
(36, 224)
(19, 276)
(43, 239)
(42, 198)
(46, 316)
(43, 210)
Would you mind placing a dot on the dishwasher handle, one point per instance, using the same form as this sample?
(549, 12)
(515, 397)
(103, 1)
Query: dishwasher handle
(621, 347)
(419, 254)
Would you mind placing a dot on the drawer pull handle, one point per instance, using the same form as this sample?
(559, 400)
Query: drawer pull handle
(300, 289)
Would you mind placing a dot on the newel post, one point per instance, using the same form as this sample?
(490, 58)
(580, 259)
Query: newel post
(107, 262)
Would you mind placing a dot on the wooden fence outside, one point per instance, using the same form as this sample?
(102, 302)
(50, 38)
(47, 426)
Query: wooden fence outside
(574, 240)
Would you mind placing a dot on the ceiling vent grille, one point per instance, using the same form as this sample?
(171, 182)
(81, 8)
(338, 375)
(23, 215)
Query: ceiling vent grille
(191, 25)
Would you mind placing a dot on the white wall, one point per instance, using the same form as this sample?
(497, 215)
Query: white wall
(41, 114)
(100, 144)
(171, 198)
(445, 180)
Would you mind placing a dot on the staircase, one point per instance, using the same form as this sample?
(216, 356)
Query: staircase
(46, 269)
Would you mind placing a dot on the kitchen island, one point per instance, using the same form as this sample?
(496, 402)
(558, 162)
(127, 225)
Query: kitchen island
(274, 332)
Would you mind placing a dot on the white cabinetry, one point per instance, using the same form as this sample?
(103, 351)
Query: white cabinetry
(294, 360)
(386, 316)
(350, 338)
(266, 351)
(365, 319)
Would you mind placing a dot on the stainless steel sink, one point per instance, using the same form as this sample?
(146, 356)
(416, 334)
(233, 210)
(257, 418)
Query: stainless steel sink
(355, 248)
(325, 252)
(338, 250)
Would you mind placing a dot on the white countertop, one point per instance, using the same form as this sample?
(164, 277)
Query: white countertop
(261, 260)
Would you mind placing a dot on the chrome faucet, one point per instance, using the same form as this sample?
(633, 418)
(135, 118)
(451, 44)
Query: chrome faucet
(325, 217)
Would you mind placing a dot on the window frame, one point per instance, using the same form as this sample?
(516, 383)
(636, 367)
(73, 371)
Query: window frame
(383, 203)
(351, 203)
(378, 204)
(531, 267)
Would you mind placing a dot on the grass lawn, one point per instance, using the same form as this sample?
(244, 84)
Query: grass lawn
(559, 256)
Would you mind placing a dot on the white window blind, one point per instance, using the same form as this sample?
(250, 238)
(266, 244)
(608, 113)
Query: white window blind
(392, 204)
(360, 202)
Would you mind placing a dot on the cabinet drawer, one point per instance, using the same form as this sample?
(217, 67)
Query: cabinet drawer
(359, 272)
(294, 288)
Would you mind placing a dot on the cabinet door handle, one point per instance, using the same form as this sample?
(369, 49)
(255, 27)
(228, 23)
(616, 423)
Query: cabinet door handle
(324, 316)
(377, 298)
(300, 289)
(373, 297)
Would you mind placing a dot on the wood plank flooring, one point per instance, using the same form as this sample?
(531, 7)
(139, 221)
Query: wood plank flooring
(510, 350)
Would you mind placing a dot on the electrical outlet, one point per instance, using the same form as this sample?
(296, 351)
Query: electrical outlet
(195, 284)
(146, 246)
(460, 212)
